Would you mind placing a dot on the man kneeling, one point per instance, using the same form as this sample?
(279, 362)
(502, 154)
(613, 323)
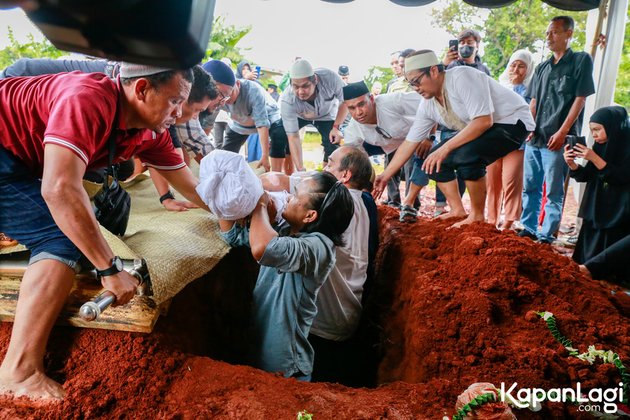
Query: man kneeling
(491, 121)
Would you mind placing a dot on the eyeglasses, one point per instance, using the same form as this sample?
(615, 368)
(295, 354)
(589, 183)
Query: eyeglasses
(383, 133)
(225, 97)
(416, 82)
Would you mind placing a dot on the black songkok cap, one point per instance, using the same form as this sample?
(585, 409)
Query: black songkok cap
(354, 90)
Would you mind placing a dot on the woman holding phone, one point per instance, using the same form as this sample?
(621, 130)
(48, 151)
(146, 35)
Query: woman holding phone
(605, 208)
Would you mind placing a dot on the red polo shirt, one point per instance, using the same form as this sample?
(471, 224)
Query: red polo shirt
(77, 111)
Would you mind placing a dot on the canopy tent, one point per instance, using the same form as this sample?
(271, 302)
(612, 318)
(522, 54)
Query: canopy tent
(575, 5)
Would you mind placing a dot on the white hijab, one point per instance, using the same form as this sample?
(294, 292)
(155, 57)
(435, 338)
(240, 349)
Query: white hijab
(526, 57)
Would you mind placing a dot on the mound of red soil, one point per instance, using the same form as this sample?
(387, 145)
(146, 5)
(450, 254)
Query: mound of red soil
(453, 308)
(462, 311)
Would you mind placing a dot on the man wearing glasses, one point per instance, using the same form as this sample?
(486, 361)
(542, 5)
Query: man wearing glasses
(381, 124)
(313, 97)
(491, 121)
(252, 110)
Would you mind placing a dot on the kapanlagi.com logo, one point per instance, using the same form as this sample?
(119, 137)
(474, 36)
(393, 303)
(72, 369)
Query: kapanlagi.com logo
(532, 397)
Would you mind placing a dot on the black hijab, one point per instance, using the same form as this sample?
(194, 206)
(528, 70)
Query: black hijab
(615, 122)
(608, 205)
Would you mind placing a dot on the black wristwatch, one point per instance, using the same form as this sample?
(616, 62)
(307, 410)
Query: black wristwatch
(168, 196)
(432, 137)
(115, 268)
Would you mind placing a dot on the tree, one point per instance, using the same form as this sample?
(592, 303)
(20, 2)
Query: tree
(506, 29)
(622, 91)
(378, 73)
(31, 49)
(224, 39)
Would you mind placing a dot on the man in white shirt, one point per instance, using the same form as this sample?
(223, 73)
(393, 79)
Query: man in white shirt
(492, 121)
(381, 125)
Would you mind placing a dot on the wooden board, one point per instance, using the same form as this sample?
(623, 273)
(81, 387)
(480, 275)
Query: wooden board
(140, 315)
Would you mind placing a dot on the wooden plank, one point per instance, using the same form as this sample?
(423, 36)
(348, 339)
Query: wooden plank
(140, 315)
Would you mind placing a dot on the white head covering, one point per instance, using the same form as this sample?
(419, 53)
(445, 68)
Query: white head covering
(228, 185)
(301, 69)
(526, 57)
(132, 70)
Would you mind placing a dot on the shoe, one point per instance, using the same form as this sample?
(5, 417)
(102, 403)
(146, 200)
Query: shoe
(572, 240)
(438, 211)
(527, 234)
(393, 204)
(408, 214)
(517, 226)
(544, 241)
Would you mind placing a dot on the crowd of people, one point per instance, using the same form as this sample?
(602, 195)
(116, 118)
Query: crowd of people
(314, 234)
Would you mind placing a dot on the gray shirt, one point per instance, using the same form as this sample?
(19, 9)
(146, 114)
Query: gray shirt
(328, 96)
(253, 108)
(292, 270)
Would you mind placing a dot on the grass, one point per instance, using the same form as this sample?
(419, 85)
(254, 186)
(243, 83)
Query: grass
(312, 143)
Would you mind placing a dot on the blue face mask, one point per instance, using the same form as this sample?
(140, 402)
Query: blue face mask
(466, 51)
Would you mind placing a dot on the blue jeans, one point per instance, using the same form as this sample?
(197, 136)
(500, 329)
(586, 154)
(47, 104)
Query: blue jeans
(543, 165)
(24, 215)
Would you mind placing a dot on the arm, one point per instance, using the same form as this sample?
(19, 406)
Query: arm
(184, 182)
(402, 155)
(557, 140)
(260, 230)
(162, 187)
(617, 173)
(263, 135)
(335, 135)
(70, 207)
(295, 146)
(473, 130)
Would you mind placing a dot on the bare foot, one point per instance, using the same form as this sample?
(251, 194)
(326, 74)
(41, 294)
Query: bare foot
(470, 219)
(36, 387)
(450, 215)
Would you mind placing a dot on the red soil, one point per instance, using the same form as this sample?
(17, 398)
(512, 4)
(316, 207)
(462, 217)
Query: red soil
(453, 307)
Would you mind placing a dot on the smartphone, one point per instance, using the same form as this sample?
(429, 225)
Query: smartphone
(453, 44)
(257, 71)
(572, 140)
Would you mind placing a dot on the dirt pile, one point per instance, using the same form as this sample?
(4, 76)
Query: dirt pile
(462, 303)
(453, 308)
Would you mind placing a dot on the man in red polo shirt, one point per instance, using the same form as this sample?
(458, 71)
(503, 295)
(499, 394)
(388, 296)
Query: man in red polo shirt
(52, 129)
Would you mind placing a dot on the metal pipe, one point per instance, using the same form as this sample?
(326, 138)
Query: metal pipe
(91, 310)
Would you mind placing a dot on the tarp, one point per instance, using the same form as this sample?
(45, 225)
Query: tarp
(574, 5)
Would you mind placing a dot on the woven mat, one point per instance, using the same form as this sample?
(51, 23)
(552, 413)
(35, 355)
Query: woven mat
(178, 247)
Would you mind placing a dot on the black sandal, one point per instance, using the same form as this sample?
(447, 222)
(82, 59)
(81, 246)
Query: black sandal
(408, 214)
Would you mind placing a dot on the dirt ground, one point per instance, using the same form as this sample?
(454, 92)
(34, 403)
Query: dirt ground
(449, 308)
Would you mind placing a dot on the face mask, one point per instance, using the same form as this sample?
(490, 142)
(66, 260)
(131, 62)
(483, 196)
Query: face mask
(466, 51)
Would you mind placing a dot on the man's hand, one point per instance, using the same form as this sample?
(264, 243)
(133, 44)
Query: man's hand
(379, 186)
(556, 141)
(450, 56)
(433, 162)
(264, 162)
(335, 136)
(176, 205)
(423, 149)
(123, 285)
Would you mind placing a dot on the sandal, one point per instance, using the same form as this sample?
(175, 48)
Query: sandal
(5, 241)
(408, 214)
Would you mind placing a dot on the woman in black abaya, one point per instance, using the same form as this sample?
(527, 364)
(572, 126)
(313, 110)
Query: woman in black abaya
(605, 207)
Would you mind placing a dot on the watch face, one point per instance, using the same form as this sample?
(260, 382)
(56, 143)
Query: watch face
(117, 262)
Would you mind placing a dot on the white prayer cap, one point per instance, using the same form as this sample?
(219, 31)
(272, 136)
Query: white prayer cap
(228, 185)
(421, 61)
(131, 70)
(301, 69)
